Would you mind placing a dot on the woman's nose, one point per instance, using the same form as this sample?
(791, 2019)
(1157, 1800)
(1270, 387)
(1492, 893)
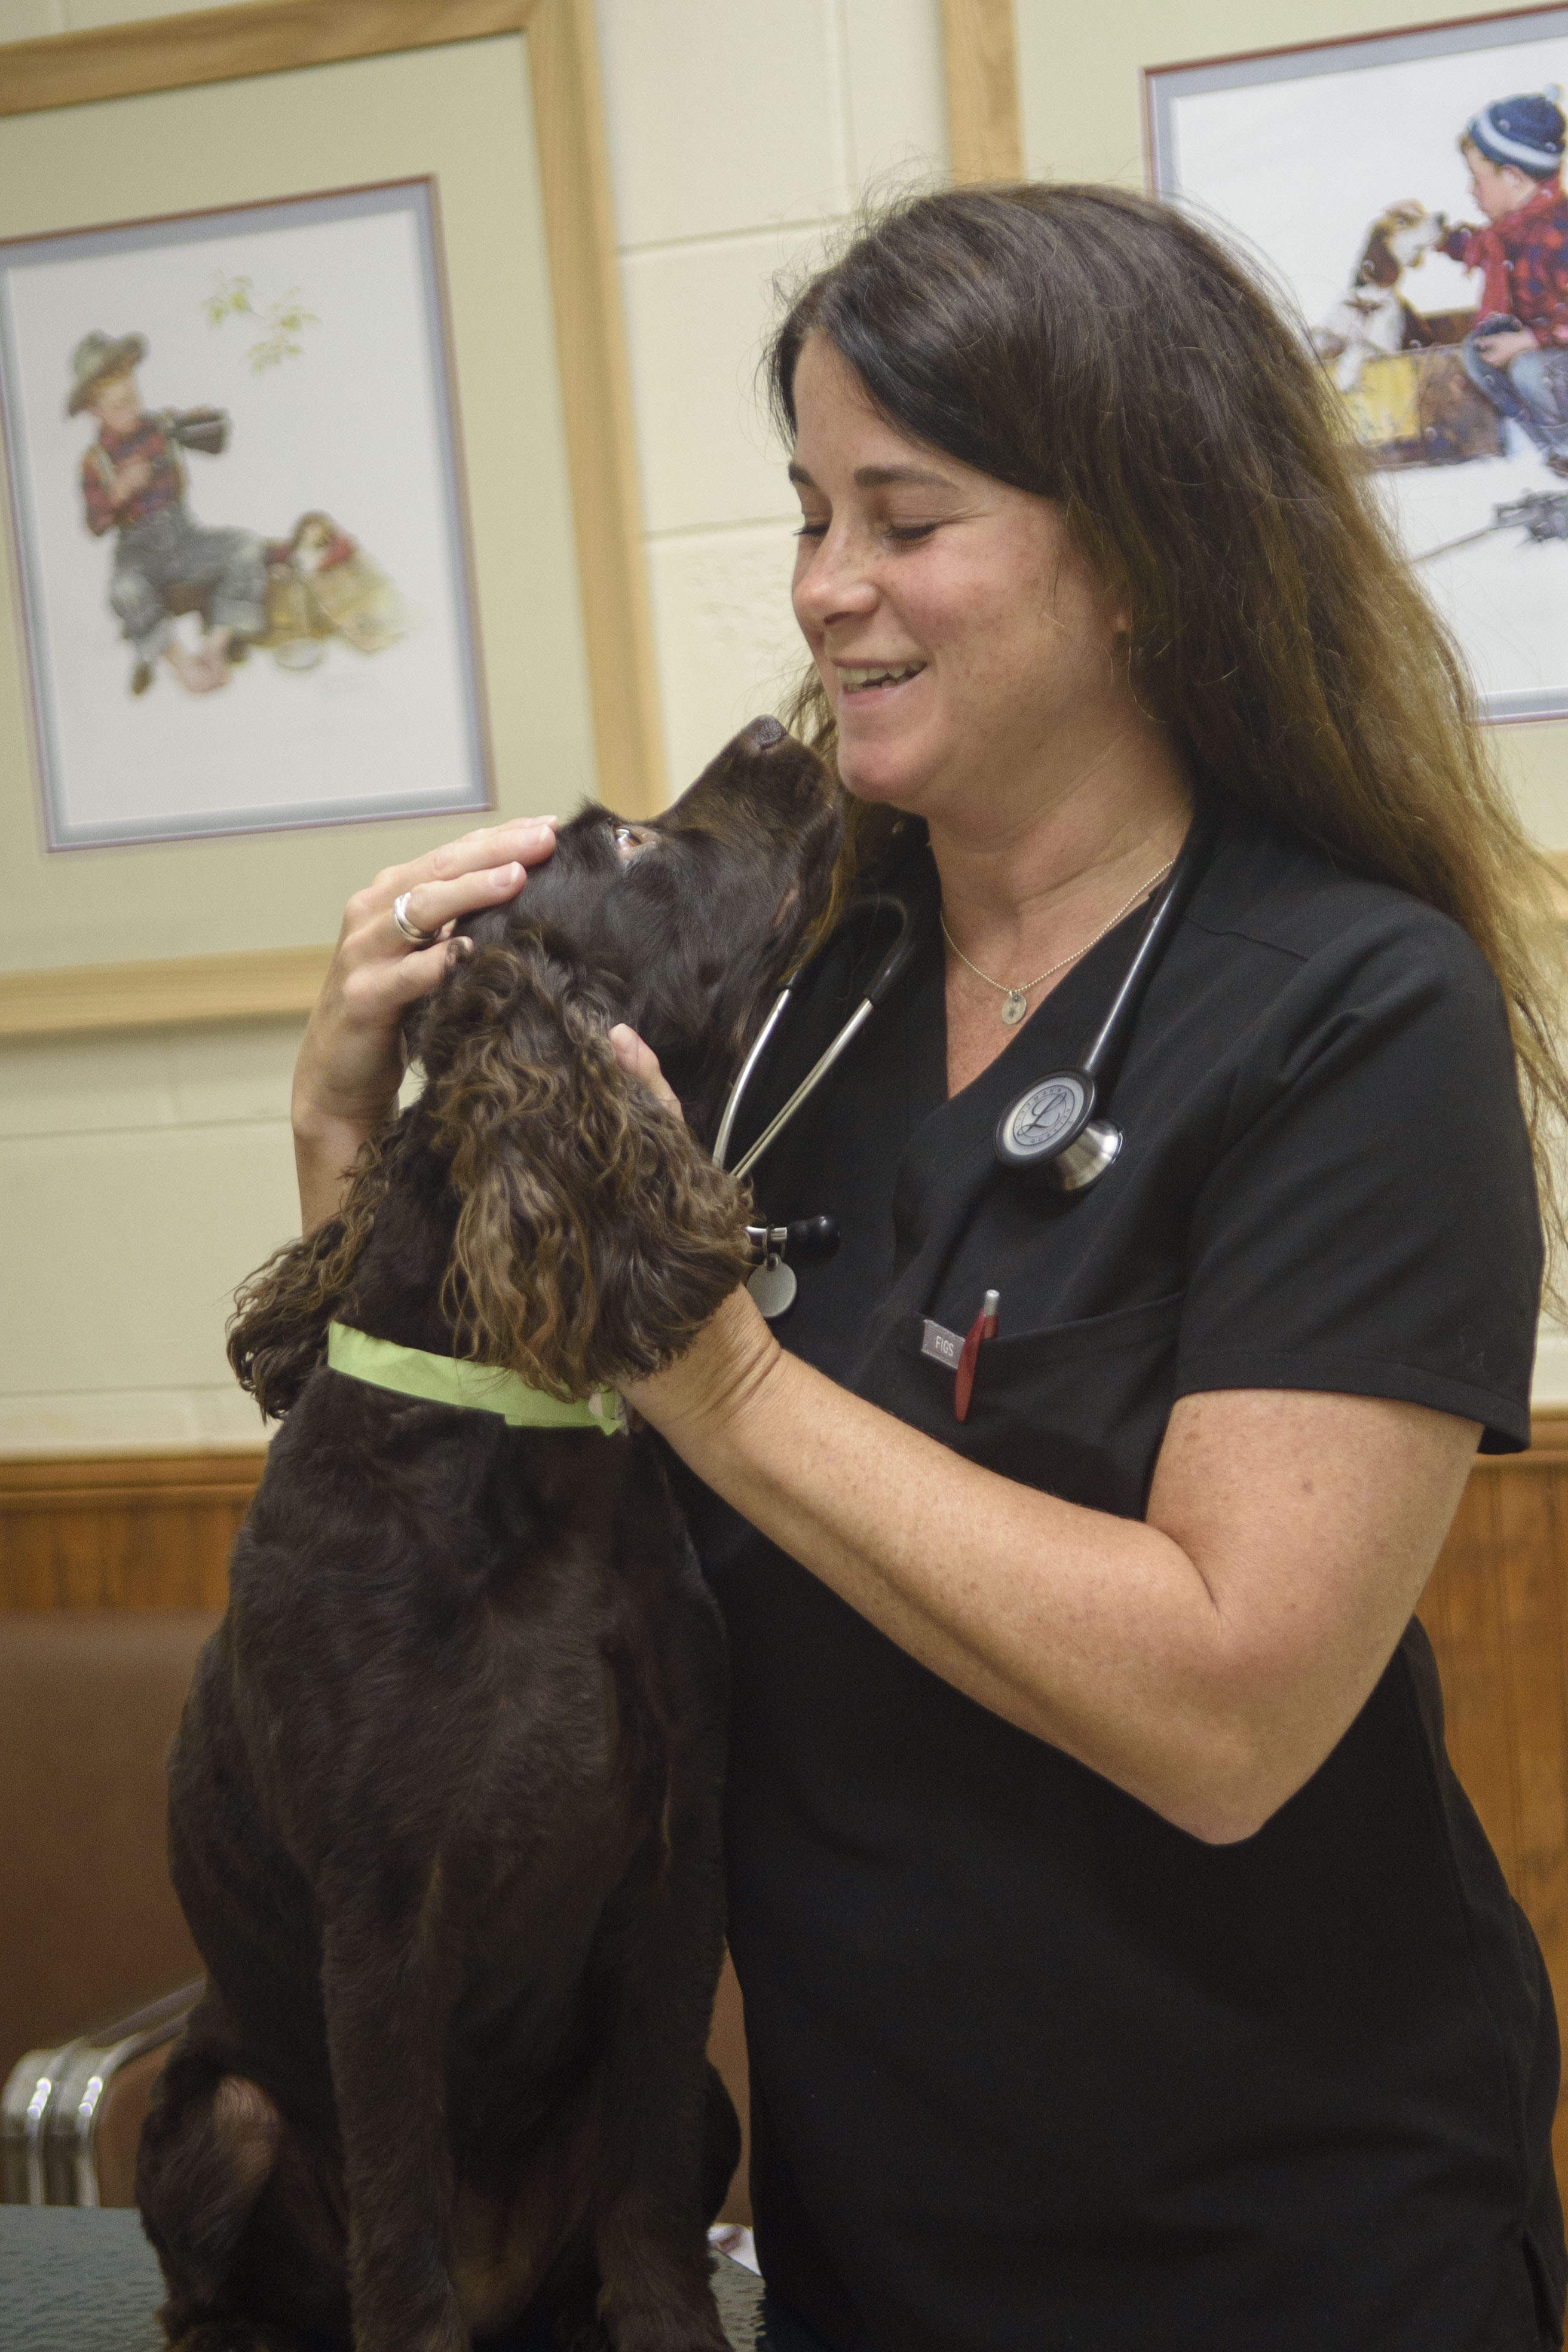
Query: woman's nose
(831, 582)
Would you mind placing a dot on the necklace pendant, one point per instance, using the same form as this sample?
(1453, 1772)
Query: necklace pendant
(1015, 1005)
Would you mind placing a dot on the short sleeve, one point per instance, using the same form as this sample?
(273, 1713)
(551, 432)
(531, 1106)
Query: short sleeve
(1369, 1224)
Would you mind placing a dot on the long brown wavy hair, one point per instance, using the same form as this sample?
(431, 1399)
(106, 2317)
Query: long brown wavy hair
(1098, 349)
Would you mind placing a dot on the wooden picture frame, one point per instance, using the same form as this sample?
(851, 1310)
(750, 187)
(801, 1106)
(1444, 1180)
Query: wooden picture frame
(985, 133)
(278, 37)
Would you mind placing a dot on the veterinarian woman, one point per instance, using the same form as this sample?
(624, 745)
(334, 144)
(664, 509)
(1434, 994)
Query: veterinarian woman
(1124, 1967)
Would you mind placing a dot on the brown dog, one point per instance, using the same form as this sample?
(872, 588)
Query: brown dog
(444, 1802)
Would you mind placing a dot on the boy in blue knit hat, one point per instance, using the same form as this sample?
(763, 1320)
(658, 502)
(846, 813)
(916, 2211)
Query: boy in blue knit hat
(1517, 350)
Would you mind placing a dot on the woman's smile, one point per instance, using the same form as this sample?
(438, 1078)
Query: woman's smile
(868, 681)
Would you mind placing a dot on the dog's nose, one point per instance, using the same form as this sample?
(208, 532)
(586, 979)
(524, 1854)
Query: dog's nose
(761, 734)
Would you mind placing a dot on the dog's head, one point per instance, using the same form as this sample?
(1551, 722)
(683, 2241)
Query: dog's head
(680, 924)
(1397, 241)
(594, 1233)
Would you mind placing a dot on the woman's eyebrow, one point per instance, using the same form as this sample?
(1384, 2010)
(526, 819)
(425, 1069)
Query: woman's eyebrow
(880, 478)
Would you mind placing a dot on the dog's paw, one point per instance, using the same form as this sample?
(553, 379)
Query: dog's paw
(691, 2329)
(235, 2335)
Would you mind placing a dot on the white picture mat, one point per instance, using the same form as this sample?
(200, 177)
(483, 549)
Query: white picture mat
(354, 423)
(1299, 154)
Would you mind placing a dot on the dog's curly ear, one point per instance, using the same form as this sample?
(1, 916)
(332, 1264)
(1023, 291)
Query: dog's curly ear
(277, 1332)
(595, 1235)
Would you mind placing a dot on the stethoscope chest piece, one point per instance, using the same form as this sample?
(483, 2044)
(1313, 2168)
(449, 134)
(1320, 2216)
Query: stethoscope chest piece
(1053, 1128)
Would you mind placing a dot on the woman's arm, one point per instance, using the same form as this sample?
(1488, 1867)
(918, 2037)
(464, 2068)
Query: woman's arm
(351, 1063)
(1205, 1660)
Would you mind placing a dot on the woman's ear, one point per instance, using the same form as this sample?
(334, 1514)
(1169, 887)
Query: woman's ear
(594, 1236)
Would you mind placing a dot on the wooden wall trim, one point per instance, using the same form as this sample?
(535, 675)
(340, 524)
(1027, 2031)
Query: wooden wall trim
(984, 127)
(1548, 1436)
(28, 1482)
(226, 43)
(595, 385)
(183, 990)
(122, 1530)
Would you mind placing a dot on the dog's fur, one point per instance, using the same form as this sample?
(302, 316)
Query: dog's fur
(1372, 319)
(444, 1801)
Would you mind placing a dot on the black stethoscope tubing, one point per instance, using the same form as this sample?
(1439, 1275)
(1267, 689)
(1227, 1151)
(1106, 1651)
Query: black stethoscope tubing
(1054, 1129)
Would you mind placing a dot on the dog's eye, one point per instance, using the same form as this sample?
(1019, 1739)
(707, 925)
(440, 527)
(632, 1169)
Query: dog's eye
(632, 838)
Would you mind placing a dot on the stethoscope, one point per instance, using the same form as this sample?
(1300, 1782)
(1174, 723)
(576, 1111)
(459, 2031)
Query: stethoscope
(1056, 1130)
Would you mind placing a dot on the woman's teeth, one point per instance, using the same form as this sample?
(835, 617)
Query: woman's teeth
(853, 679)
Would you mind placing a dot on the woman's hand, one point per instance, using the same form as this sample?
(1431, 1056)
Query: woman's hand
(640, 1062)
(351, 1063)
(714, 1381)
(733, 1353)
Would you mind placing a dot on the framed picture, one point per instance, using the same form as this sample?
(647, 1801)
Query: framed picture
(239, 522)
(1391, 188)
(313, 263)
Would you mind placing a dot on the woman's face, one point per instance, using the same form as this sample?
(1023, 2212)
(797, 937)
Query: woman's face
(966, 648)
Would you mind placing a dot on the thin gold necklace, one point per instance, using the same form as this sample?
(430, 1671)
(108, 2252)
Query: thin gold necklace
(1014, 1001)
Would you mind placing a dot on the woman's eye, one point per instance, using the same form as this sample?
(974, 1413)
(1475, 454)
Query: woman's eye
(907, 532)
(809, 530)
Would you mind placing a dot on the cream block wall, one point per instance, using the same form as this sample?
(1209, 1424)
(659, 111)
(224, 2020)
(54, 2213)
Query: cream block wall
(141, 1177)
(743, 134)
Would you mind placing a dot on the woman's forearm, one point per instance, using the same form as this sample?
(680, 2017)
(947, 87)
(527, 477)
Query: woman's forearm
(1094, 1633)
(1205, 1660)
(325, 1150)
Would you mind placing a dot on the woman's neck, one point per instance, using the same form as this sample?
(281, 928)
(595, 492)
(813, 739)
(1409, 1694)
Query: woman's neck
(1025, 894)
(1038, 880)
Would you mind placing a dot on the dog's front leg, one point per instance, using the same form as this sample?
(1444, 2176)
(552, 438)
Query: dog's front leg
(652, 2222)
(384, 1981)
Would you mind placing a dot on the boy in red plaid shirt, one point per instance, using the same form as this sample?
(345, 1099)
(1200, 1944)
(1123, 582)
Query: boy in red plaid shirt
(1517, 351)
(134, 483)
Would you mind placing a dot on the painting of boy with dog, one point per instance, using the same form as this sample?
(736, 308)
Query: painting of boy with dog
(210, 420)
(1404, 194)
(134, 483)
(1517, 351)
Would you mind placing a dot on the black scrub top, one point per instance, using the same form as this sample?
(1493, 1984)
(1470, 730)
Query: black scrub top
(1032, 2068)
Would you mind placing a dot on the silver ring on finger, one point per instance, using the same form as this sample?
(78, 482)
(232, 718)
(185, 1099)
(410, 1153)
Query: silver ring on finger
(416, 938)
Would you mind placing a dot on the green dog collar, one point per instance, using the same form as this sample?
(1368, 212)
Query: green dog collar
(475, 1388)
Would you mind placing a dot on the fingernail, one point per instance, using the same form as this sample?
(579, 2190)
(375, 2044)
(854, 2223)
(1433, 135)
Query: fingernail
(506, 875)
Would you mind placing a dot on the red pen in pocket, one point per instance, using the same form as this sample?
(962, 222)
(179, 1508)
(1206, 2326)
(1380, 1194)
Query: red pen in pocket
(983, 1328)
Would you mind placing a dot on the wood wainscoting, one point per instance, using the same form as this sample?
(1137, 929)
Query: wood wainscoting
(154, 1532)
(121, 1531)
